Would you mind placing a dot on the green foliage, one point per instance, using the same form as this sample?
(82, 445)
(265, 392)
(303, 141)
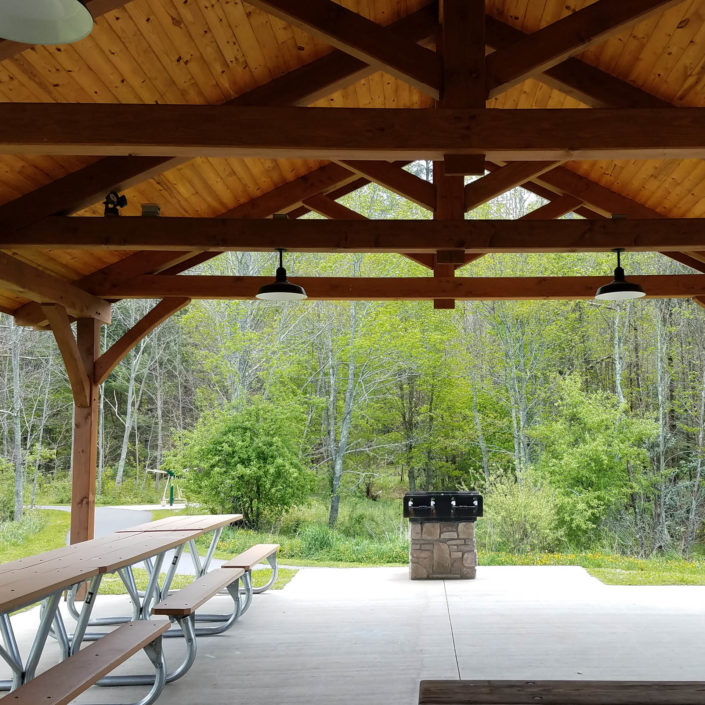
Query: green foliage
(520, 517)
(594, 454)
(112, 584)
(244, 460)
(37, 531)
(7, 489)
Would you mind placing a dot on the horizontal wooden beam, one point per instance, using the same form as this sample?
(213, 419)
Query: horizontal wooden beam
(408, 289)
(110, 359)
(44, 288)
(357, 234)
(302, 86)
(341, 133)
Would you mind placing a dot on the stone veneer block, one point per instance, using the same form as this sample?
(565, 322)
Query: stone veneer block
(466, 530)
(431, 530)
(442, 550)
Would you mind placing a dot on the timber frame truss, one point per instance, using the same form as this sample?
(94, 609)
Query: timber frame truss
(454, 53)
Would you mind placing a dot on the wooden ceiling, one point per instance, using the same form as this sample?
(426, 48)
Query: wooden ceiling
(641, 55)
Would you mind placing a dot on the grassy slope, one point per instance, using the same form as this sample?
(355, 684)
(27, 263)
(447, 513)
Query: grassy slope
(26, 539)
(32, 537)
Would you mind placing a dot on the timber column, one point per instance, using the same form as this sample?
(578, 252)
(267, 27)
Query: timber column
(85, 437)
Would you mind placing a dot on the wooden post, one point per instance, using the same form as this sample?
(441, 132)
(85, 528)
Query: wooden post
(449, 206)
(85, 439)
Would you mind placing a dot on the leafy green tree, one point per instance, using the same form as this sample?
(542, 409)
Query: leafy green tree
(594, 454)
(245, 461)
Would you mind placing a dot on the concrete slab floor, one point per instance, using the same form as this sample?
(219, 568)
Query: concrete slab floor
(369, 635)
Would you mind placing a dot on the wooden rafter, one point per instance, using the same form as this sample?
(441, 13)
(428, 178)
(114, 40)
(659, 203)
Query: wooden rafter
(397, 180)
(301, 86)
(555, 43)
(279, 199)
(502, 180)
(408, 289)
(354, 233)
(361, 38)
(575, 78)
(110, 359)
(35, 284)
(341, 133)
(73, 362)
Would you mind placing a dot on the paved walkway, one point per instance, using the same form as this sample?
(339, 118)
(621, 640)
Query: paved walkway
(367, 636)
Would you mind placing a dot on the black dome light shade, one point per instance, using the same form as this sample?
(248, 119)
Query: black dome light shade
(619, 289)
(281, 289)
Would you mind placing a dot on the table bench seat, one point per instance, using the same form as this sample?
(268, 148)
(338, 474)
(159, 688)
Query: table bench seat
(188, 599)
(248, 559)
(68, 679)
(577, 692)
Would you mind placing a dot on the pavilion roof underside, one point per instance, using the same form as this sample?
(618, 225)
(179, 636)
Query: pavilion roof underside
(195, 53)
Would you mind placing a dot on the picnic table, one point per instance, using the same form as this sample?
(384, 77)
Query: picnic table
(45, 577)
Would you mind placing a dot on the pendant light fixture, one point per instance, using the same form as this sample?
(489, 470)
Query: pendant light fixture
(44, 21)
(619, 289)
(281, 289)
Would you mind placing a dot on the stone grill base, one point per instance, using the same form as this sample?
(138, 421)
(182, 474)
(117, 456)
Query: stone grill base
(442, 549)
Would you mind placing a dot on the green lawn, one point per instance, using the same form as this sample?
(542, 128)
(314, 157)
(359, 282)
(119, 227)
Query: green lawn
(44, 530)
(37, 532)
(112, 585)
(612, 569)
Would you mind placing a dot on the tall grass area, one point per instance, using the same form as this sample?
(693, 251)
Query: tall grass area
(36, 532)
(367, 532)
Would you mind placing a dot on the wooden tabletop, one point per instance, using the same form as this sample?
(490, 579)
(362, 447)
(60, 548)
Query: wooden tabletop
(28, 580)
(201, 522)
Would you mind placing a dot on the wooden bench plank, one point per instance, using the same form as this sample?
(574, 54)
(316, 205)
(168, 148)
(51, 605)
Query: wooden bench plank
(63, 682)
(252, 556)
(561, 692)
(187, 600)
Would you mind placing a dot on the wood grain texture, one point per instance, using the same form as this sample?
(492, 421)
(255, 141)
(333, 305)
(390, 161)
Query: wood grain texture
(559, 40)
(188, 599)
(349, 231)
(362, 39)
(408, 289)
(73, 362)
(62, 683)
(281, 132)
(577, 692)
(85, 438)
(248, 559)
(25, 280)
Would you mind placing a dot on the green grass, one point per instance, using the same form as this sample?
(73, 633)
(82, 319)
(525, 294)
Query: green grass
(612, 569)
(38, 531)
(112, 584)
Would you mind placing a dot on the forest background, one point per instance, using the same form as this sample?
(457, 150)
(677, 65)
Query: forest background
(582, 423)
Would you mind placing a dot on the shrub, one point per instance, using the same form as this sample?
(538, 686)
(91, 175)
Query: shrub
(244, 461)
(520, 517)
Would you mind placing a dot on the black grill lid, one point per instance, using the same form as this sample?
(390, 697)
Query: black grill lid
(443, 506)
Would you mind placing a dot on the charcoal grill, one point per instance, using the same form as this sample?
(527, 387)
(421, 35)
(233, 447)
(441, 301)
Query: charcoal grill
(443, 506)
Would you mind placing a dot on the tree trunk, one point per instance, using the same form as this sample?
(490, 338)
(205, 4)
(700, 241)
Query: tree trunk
(345, 422)
(16, 420)
(40, 439)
